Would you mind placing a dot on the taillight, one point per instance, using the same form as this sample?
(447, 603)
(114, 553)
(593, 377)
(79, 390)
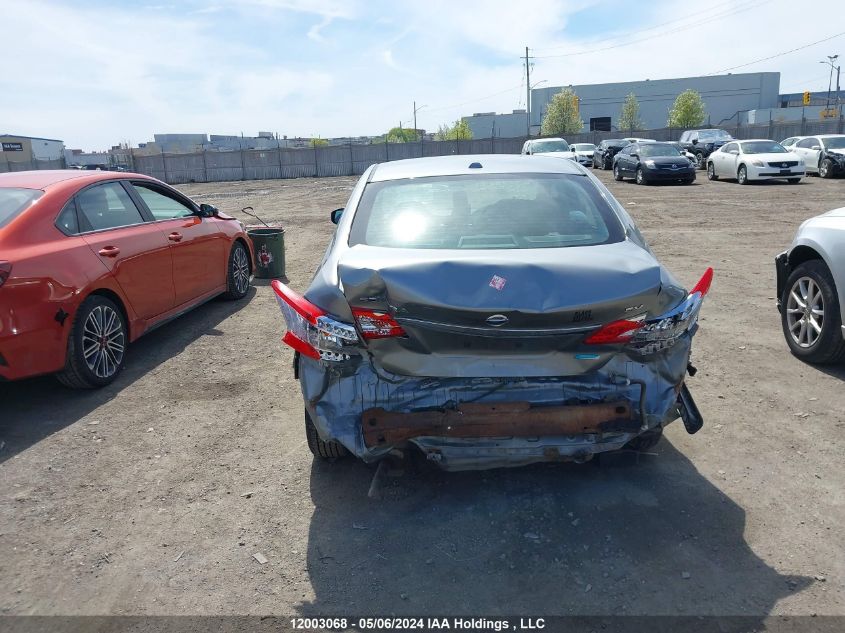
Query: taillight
(5, 271)
(653, 335)
(311, 331)
(376, 324)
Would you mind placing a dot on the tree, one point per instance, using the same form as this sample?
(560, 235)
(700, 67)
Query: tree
(687, 111)
(401, 135)
(459, 130)
(562, 116)
(630, 117)
(319, 142)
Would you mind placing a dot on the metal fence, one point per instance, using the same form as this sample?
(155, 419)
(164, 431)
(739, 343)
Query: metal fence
(351, 160)
(27, 165)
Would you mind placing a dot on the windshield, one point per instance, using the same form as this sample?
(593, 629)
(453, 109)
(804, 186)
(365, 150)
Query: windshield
(14, 200)
(584, 147)
(714, 135)
(762, 147)
(658, 149)
(837, 142)
(485, 212)
(549, 146)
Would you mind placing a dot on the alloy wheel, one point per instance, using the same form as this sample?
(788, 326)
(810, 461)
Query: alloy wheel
(240, 270)
(805, 312)
(699, 161)
(711, 172)
(823, 169)
(103, 341)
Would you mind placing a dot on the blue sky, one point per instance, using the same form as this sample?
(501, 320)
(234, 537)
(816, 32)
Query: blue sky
(96, 73)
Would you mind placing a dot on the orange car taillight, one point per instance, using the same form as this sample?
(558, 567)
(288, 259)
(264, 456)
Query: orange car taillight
(652, 335)
(311, 331)
(5, 271)
(376, 324)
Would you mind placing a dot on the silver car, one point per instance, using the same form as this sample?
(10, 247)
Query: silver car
(811, 289)
(490, 311)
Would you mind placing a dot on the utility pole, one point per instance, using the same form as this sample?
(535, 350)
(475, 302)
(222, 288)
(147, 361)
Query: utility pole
(416, 109)
(829, 62)
(527, 93)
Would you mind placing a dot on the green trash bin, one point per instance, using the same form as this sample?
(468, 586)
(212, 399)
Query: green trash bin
(269, 246)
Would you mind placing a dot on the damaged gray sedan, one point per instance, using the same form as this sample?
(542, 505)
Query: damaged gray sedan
(489, 311)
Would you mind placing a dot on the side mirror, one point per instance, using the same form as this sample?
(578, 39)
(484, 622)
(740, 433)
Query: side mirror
(735, 152)
(635, 155)
(572, 149)
(207, 210)
(695, 141)
(816, 147)
(336, 215)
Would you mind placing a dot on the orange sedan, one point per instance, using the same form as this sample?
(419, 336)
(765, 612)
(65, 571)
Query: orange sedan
(90, 261)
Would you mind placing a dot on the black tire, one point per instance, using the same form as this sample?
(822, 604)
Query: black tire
(617, 173)
(711, 171)
(689, 181)
(595, 164)
(699, 160)
(237, 278)
(319, 448)
(826, 168)
(742, 175)
(108, 356)
(640, 177)
(829, 347)
(793, 181)
(647, 440)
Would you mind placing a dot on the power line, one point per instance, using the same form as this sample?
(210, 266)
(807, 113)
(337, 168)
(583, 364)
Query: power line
(765, 59)
(734, 11)
(495, 94)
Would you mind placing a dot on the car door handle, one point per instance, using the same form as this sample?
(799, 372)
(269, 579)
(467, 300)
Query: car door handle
(175, 237)
(109, 251)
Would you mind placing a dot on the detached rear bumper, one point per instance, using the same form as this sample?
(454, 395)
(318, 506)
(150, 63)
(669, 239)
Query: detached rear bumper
(476, 423)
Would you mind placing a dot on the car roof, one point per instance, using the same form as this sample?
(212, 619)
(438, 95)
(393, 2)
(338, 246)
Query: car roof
(549, 138)
(827, 136)
(460, 165)
(43, 179)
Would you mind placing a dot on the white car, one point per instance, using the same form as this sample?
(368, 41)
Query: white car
(555, 147)
(634, 139)
(584, 152)
(792, 140)
(755, 159)
(823, 154)
(811, 289)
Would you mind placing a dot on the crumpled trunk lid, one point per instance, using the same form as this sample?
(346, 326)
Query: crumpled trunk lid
(498, 312)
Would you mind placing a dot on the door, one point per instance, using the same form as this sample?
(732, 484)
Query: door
(723, 160)
(624, 160)
(804, 148)
(132, 249)
(199, 249)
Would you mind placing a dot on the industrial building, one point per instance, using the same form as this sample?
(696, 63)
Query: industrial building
(600, 105)
(23, 149)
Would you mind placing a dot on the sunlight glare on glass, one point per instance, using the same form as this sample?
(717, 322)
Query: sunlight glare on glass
(409, 226)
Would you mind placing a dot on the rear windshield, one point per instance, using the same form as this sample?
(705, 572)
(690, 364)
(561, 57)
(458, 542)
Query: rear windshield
(485, 212)
(713, 135)
(658, 149)
(584, 147)
(549, 146)
(762, 147)
(836, 142)
(14, 200)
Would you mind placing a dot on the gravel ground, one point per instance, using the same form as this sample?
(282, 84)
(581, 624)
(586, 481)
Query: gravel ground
(152, 495)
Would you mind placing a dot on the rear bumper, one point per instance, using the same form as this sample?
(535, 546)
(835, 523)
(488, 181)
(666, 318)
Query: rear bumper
(476, 423)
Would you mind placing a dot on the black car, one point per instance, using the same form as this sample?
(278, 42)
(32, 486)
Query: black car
(702, 143)
(606, 150)
(653, 162)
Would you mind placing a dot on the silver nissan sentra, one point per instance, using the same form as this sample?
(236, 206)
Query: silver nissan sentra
(489, 310)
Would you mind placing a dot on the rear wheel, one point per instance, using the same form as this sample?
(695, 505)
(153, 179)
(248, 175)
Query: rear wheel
(96, 345)
(617, 173)
(237, 273)
(711, 172)
(319, 448)
(812, 323)
(826, 168)
(742, 175)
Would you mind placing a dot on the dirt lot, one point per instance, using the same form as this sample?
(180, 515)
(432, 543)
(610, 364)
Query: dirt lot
(152, 495)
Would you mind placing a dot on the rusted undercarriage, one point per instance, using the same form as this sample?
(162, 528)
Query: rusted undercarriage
(501, 419)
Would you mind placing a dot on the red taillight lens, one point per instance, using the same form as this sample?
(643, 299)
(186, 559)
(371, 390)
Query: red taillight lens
(5, 271)
(311, 331)
(703, 285)
(376, 324)
(615, 332)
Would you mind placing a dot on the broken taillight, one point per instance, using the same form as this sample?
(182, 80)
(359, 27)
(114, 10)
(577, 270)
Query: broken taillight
(311, 331)
(652, 335)
(376, 324)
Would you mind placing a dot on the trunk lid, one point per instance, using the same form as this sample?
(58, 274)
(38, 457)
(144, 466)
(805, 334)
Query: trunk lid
(468, 305)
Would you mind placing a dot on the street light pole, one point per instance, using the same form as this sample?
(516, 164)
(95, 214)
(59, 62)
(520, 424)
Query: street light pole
(416, 109)
(830, 60)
